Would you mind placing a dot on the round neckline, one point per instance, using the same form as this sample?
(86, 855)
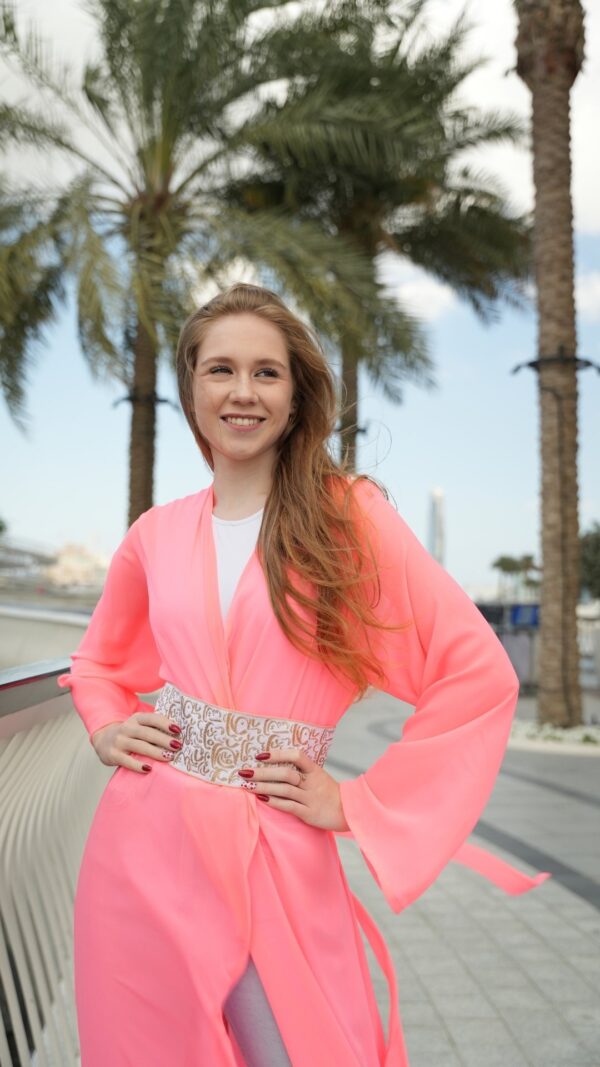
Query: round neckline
(237, 522)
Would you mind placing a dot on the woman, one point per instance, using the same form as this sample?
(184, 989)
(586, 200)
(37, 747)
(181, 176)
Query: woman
(214, 925)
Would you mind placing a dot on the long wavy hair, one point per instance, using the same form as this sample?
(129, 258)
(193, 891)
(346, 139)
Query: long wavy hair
(320, 567)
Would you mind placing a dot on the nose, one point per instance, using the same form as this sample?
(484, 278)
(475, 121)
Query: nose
(242, 388)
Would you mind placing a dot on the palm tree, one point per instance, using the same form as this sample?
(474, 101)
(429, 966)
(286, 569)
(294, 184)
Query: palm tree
(508, 568)
(158, 116)
(528, 581)
(550, 53)
(370, 146)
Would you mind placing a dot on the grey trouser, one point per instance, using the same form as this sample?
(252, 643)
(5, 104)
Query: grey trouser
(249, 1015)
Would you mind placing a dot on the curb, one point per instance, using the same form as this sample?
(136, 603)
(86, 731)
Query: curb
(560, 748)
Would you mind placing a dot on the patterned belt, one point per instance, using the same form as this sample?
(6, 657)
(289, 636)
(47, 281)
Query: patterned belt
(216, 742)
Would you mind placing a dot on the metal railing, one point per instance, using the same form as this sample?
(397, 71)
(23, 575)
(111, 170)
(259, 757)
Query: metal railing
(50, 784)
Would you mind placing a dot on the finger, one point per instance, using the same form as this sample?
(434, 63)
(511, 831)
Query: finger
(286, 755)
(131, 764)
(154, 736)
(137, 745)
(294, 807)
(159, 721)
(282, 791)
(277, 773)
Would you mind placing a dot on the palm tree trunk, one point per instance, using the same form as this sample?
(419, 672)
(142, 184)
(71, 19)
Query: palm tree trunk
(349, 405)
(143, 424)
(549, 45)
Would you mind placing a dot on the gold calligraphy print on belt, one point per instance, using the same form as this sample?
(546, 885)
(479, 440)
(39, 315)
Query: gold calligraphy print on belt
(216, 741)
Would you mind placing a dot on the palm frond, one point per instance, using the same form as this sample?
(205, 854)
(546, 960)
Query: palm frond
(23, 126)
(31, 288)
(101, 284)
(396, 350)
(470, 239)
(320, 131)
(472, 129)
(55, 80)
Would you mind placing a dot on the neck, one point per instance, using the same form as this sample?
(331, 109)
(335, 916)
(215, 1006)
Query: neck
(241, 488)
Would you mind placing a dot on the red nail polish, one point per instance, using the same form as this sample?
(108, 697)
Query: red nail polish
(174, 728)
(176, 745)
(262, 796)
(264, 755)
(146, 767)
(246, 773)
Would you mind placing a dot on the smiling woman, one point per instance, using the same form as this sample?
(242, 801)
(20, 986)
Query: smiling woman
(213, 917)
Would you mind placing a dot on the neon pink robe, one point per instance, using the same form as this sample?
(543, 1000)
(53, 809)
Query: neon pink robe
(180, 878)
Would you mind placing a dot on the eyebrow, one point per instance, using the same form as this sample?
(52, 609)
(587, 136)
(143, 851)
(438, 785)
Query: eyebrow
(257, 362)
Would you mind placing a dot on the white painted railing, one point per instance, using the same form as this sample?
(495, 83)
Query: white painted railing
(50, 784)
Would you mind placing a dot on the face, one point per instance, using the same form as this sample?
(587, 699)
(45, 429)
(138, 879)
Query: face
(243, 369)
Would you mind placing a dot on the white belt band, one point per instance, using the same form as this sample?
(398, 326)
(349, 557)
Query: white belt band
(217, 742)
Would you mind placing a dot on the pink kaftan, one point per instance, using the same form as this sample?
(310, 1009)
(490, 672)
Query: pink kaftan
(181, 879)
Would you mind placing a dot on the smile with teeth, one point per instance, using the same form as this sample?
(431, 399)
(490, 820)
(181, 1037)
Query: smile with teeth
(239, 421)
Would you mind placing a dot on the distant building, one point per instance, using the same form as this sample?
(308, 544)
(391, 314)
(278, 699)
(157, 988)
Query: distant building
(436, 526)
(481, 591)
(76, 567)
(22, 562)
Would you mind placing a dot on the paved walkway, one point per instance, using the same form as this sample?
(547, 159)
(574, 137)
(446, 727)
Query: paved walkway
(485, 979)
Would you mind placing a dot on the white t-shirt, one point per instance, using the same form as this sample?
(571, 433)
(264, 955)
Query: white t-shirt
(235, 541)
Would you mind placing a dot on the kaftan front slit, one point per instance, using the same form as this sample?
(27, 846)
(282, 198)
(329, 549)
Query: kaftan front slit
(249, 1017)
(252, 1025)
(182, 880)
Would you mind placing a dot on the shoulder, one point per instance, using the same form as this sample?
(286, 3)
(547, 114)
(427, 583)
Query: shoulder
(386, 528)
(171, 510)
(366, 490)
(356, 489)
(371, 497)
(166, 520)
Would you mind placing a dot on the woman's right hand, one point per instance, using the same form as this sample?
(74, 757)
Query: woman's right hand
(149, 734)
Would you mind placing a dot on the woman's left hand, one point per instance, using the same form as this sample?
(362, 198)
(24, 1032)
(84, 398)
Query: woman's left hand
(305, 790)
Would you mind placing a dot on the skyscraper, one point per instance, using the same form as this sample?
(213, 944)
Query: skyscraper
(436, 544)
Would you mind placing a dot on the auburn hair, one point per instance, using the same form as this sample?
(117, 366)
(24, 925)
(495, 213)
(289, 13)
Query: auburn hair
(320, 567)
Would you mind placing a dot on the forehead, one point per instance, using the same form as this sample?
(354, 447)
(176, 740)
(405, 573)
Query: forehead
(243, 336)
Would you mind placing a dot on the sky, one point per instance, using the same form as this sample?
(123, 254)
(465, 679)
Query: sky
(474, 437)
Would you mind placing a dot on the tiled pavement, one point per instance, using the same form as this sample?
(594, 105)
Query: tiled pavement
(486, 979)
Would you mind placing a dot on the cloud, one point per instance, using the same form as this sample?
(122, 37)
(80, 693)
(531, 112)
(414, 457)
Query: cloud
(426, 298)
(589, 512)
(587, 295)
(417, 292)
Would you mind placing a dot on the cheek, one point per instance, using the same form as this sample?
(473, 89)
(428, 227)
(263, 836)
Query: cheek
(202, 410)
(202, 397)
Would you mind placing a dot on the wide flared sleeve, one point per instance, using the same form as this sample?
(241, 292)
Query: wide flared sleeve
(117, 656)
(412, 810)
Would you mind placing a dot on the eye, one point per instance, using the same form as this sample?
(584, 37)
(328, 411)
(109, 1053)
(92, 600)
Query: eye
(268, 370)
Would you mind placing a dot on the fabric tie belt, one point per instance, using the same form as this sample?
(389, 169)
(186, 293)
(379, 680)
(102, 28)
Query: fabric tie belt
(217, 742)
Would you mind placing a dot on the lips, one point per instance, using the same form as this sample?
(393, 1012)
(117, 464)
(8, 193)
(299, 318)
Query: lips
(224, 418)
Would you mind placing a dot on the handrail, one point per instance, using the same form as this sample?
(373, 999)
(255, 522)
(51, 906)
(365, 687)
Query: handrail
(30, 684)
(50, 784)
